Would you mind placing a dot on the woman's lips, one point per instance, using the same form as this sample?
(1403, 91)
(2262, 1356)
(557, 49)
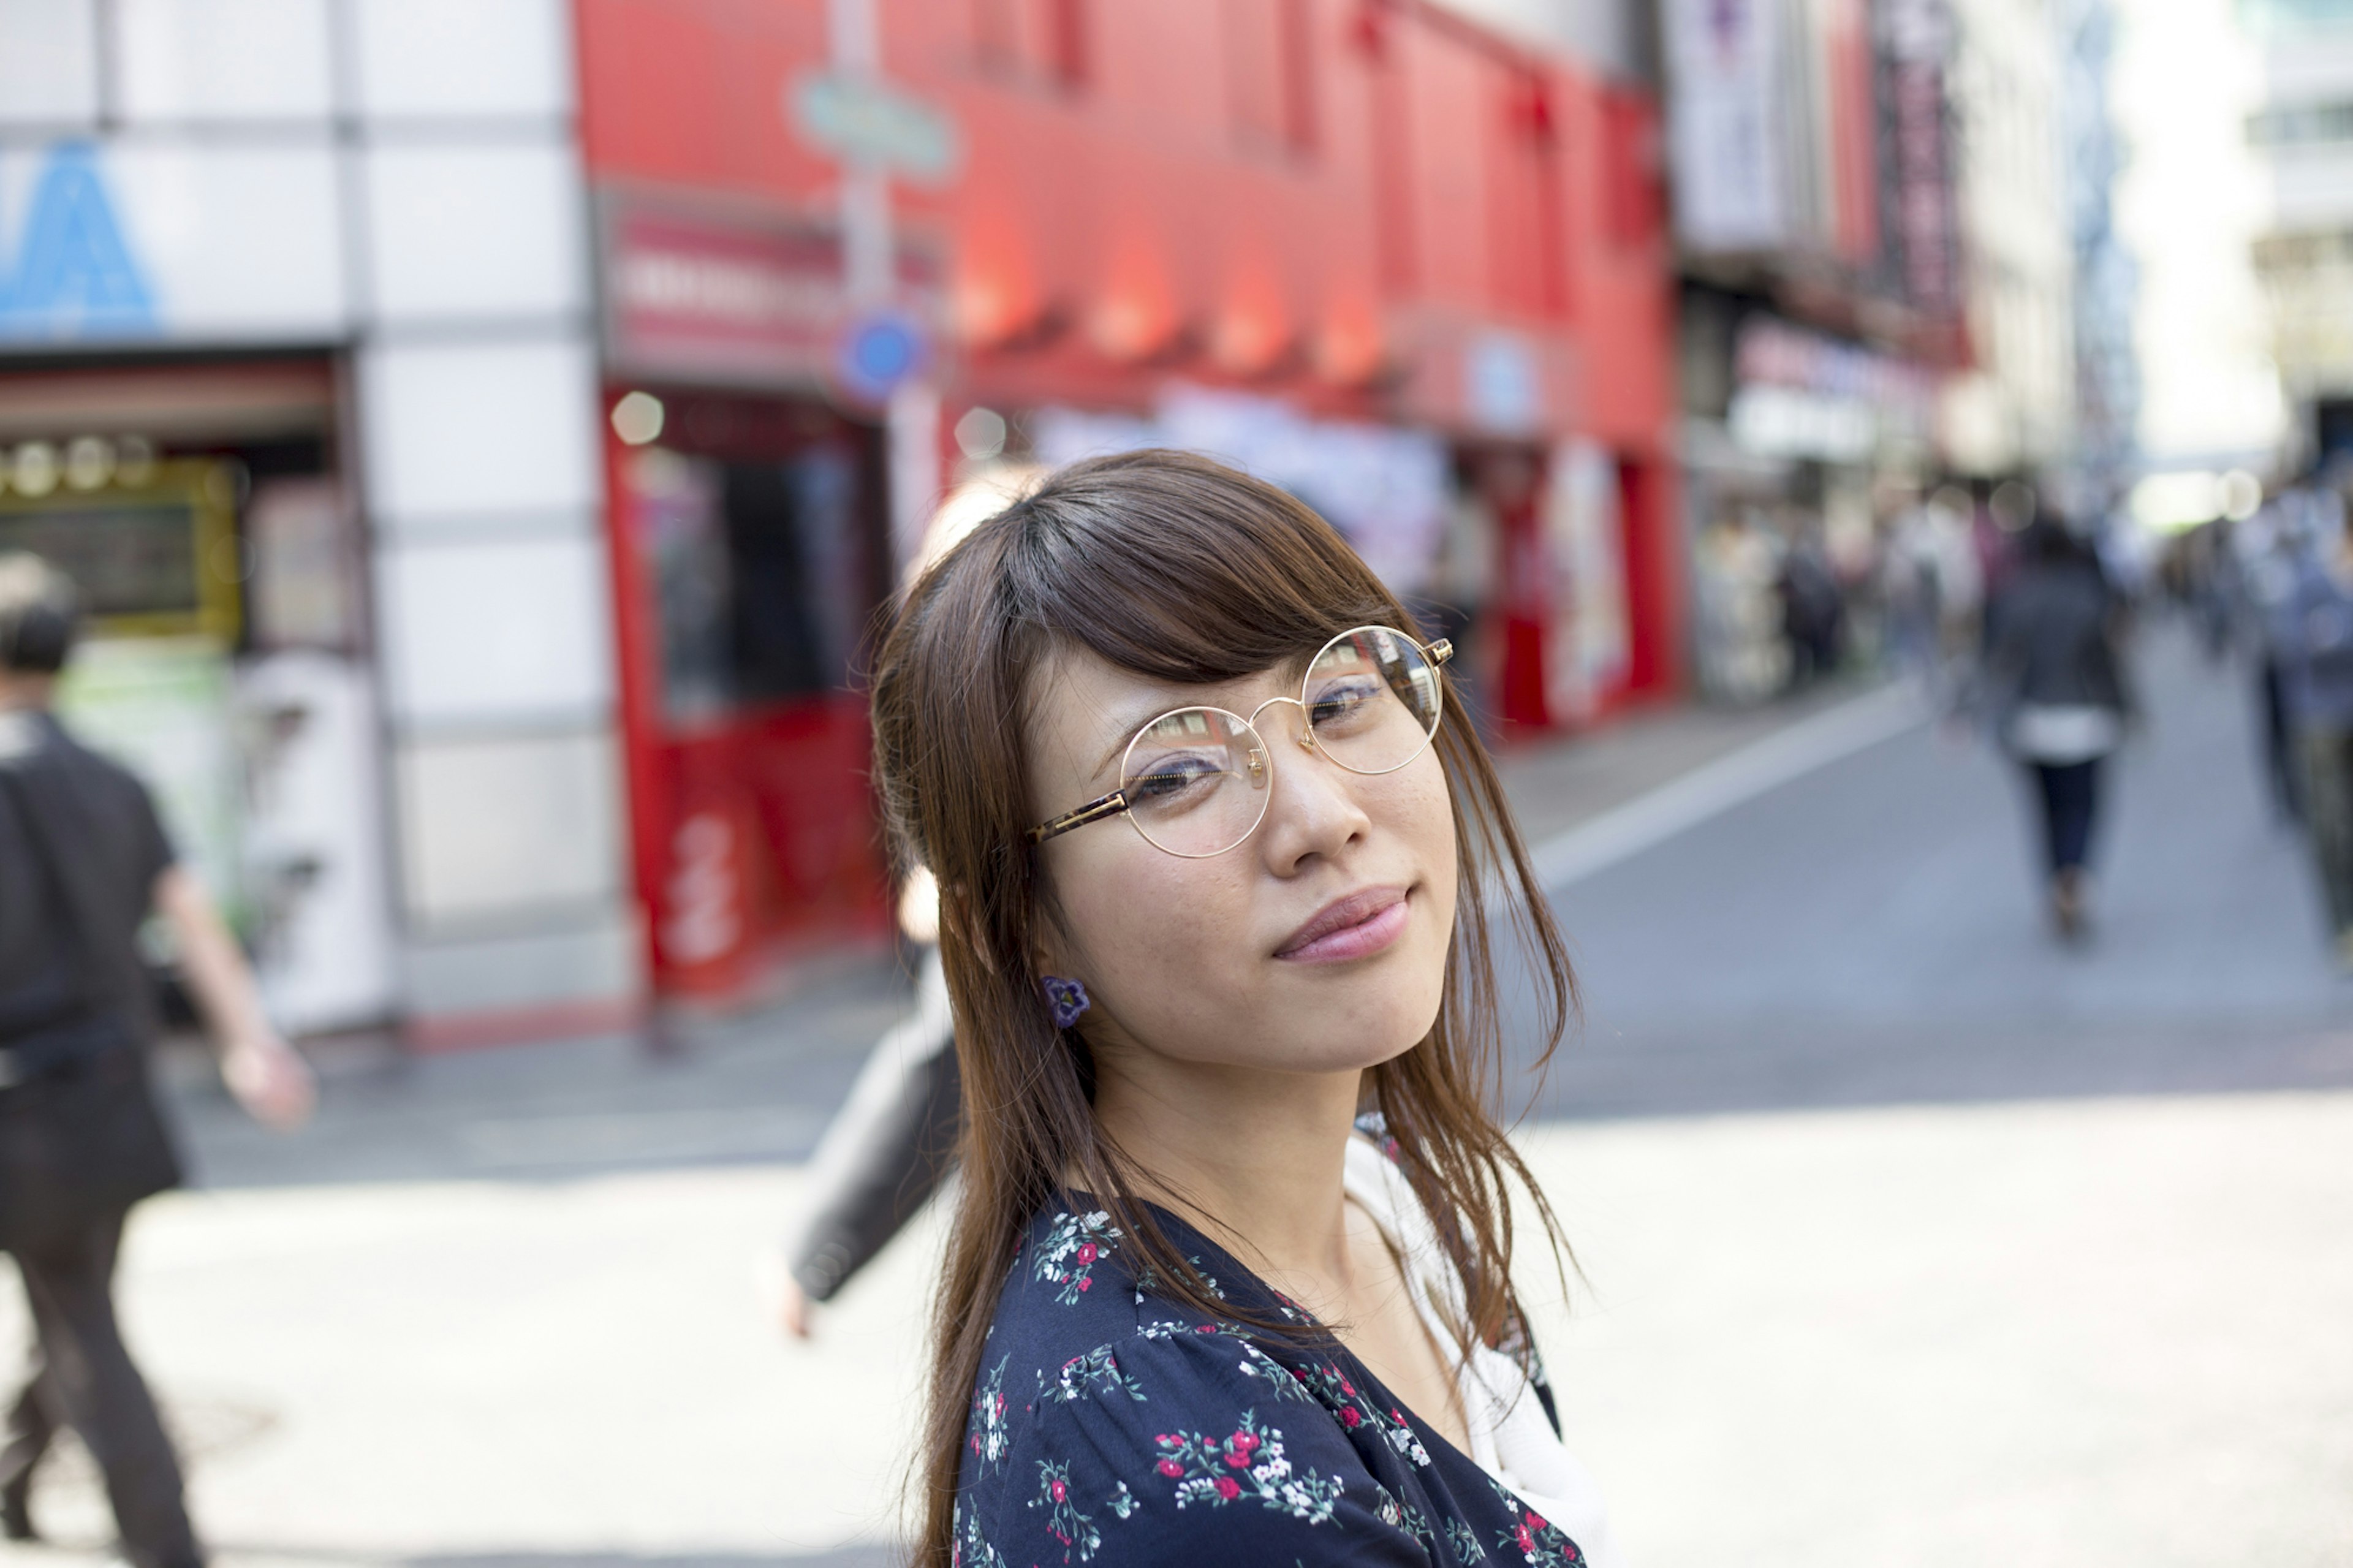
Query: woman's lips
(1355, 927)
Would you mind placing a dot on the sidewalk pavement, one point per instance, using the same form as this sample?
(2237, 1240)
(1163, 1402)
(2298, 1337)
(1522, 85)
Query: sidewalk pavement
(2082, 1334)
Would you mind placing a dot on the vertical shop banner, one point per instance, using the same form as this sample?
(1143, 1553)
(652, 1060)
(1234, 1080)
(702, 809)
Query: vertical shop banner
(1590, 646)
(182, 242)
(1917, 191)
(1726, 124)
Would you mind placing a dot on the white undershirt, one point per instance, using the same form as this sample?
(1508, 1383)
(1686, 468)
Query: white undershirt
(1510, 1437)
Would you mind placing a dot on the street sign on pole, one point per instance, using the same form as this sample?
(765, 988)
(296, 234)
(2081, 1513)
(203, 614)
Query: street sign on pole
(868, 123)
(880, 350)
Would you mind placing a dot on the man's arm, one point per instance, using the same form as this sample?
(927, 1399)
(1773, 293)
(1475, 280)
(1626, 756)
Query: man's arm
(261, 1069)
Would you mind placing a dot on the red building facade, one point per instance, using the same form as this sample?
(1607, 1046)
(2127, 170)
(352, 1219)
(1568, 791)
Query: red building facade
(1368, 215)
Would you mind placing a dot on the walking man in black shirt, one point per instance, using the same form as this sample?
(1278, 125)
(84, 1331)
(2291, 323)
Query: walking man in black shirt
(83, 862)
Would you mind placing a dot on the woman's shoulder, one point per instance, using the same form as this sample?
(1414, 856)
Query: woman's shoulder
(1174, 1443)
(1110, 1421)
(1079, 1295)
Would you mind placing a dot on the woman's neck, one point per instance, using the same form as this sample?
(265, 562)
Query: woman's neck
(1254, 1157)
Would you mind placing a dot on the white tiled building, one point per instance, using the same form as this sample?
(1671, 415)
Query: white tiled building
(337, 251)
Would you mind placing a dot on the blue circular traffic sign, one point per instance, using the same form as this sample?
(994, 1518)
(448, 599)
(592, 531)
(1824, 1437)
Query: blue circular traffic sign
(879, 351)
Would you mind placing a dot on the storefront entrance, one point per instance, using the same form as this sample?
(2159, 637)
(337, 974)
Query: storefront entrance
(751, 557)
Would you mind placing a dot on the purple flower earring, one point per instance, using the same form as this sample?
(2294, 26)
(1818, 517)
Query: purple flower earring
(1068, 999)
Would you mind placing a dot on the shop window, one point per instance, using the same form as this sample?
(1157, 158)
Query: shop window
(1042, 43)
(762, 554)
(801, 586)
(1270, 72)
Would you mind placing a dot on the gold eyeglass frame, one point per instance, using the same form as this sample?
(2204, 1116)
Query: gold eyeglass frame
(1115, 804)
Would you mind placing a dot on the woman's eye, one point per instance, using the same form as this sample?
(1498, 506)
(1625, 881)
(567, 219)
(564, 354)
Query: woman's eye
(1339, 702)
(1171, 778)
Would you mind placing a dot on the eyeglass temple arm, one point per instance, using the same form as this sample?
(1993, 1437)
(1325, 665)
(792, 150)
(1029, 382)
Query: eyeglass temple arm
(1439, 651)
(1096, 810)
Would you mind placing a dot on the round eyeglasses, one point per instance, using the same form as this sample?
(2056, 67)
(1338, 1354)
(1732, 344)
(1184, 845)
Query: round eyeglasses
(1194, 781)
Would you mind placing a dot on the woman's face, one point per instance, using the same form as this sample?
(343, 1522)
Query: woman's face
(1318, 944)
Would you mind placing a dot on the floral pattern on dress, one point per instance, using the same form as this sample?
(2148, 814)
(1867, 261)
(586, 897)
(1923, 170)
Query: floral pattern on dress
(1539, 1542)
(989, 1438)
(1405, 1517)
(1068, 1254)
(1099, 1368)
(1158, 1436)
(1248, 1462)
(1283, 1383)
(1147, 1281)
(969, 1549)
(1354, 1410)
(1064, 1522)
(1465, 1541)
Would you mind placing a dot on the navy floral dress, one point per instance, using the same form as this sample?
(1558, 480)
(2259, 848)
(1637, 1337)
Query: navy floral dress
(1112, 1425)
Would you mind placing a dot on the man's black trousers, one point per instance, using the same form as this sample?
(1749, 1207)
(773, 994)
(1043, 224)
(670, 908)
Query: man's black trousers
(85, 1380)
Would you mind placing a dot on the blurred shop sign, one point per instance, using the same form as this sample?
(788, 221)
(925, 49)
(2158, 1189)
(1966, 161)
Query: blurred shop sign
(1726, 123)
(1458, 371)
(735, 297)
(870, 123)
(1502, 386)
(115, 242)
(1785, 422)
(1384, 486)
(1802, 394)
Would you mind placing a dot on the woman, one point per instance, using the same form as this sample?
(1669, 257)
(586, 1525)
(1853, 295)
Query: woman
(1208, 890)
(2050, 659)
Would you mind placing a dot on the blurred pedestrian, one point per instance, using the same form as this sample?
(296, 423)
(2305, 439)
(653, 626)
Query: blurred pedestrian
(2053, 681)
(1813, 609)
(2262, 569)
(83, 861)
(890, 1145)
(2315, 632)
(1911, 587)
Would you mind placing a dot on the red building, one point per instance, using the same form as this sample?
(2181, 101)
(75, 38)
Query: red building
(1411, 238)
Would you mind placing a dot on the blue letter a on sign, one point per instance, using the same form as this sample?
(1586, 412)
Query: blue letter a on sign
(75, 277)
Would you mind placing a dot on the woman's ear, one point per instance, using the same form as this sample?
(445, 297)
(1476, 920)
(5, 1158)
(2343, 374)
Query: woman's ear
(1052, 951)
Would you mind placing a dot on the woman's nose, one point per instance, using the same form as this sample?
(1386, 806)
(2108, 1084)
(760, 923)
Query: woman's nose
(1314, 808)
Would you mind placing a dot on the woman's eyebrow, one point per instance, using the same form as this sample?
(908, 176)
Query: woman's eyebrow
(1126, 723)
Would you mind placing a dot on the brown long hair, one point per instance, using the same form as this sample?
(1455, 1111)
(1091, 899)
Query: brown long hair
(1180, 570)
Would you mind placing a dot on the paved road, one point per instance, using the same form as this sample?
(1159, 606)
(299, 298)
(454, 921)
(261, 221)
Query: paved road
(1871, 933)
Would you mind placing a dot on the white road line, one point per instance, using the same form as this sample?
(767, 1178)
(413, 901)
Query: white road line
(1627, 830)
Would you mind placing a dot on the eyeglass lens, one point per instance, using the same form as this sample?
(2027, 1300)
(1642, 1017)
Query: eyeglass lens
(1372, 700)
(1195, 780)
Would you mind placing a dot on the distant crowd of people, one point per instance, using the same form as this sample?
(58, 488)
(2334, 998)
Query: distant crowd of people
(2005, 613)
(2278, 585)
(2015, 620)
